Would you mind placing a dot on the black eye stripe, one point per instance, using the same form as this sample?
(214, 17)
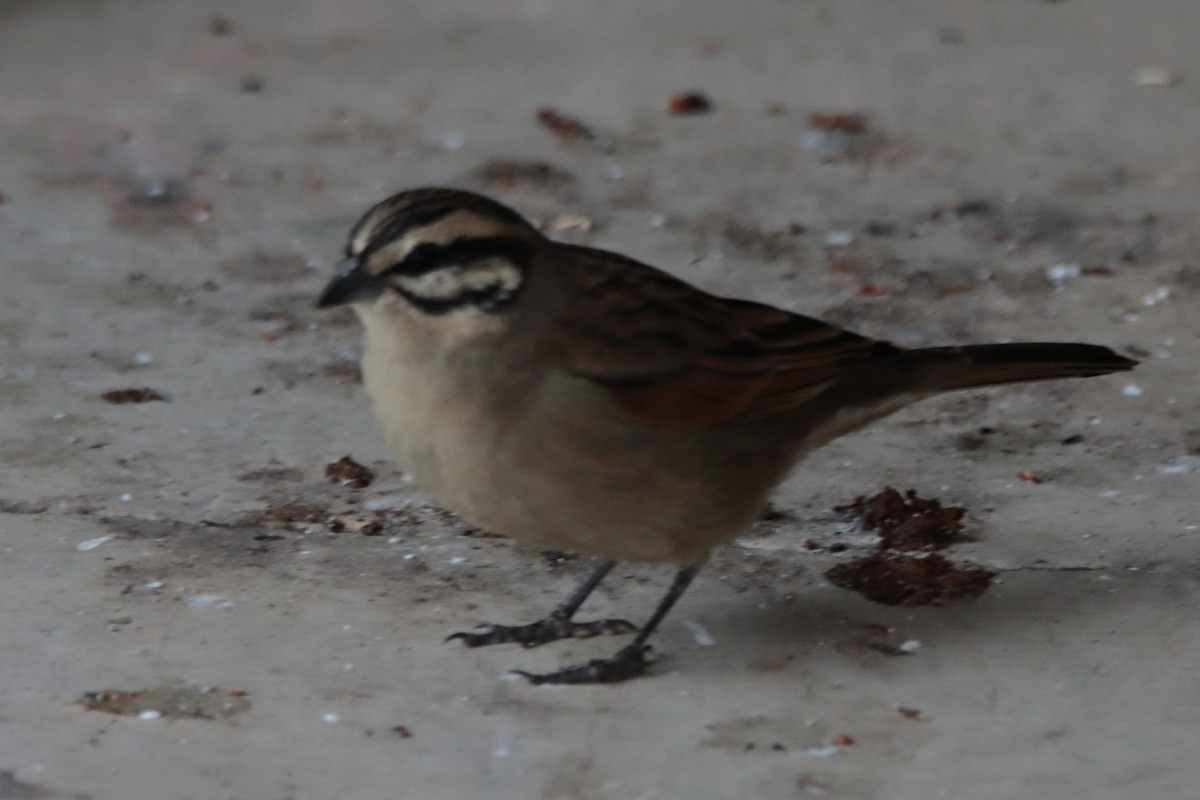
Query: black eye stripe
(492, 297)
(455, 260)
(429, 257)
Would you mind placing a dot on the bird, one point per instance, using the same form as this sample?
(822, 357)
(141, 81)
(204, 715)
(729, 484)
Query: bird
(576, 399)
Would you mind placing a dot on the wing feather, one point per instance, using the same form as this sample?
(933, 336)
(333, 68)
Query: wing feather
(670, 353)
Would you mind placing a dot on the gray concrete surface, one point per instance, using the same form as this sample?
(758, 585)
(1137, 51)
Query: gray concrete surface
(175, 189)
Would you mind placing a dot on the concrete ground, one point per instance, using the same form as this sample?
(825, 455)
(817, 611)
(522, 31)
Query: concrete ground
(181, 618)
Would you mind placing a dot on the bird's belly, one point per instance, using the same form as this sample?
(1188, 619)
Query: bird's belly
(546, 503)
(544, 497)
(555, 477)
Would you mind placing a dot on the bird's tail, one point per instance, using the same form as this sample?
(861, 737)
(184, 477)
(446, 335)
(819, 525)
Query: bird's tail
(949, 368)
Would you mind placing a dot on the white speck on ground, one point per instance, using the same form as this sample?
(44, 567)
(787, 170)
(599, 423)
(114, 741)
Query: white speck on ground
(1180, 465)
(204, 602)
(823, 751)
(92, 544)
(1061, 273)
(699, 633)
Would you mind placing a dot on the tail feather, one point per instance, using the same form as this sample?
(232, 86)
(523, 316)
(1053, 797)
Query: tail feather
(966, 367)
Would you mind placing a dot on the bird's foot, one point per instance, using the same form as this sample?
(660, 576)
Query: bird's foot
(629, 662)
(550, 629)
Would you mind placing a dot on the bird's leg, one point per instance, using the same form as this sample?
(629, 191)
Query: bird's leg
(629, 661)
(557, 625)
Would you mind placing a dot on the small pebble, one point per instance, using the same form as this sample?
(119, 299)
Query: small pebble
(1132, 390)
(1061, 273)
(150, 714)
(571, 222)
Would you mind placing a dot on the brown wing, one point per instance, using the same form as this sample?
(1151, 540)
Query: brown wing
(670, 353)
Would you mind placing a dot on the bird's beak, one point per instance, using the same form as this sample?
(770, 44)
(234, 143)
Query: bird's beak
(351, 284)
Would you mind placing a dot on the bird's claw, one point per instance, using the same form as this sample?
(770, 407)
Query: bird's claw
(629, 662)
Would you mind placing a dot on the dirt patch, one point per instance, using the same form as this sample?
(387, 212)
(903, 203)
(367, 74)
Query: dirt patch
(122, 397)
(897, 579)
(906, 521)
(171, 702)
(348, 472)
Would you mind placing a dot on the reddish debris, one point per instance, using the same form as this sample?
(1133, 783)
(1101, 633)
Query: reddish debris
(277, 331)
(842, 740)
(907, 522)
(562, 126)
(839, 122)
(480, 533)
(688, 103)
(343, 372)
(896, 579)
(122, 397)
(348, 472)
(289, 512)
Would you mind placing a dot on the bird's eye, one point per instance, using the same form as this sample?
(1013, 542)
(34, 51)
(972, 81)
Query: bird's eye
(420, 259)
